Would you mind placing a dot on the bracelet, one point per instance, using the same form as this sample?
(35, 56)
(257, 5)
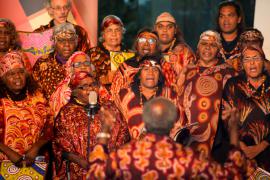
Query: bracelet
(103, 135)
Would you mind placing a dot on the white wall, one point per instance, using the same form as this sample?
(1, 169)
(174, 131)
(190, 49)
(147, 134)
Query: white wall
(262, 22)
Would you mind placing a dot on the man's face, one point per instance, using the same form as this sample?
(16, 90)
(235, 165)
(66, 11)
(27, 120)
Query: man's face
(149, 77)
(59, 11)
(207, 50)
(253, 63)
(146, 44)
(15, 80)
(228, 19)
(65, 46)
(112, 35)
(166, 32)
(5, 39)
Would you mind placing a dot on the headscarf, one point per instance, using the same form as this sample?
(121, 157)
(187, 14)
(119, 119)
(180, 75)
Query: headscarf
(111, 19)
(62, 94)
(10, 61)
(210, 34)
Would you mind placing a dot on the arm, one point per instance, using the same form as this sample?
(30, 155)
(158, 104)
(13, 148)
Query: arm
(12, 155)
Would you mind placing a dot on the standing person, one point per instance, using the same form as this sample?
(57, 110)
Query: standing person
(230, 24)
(49, 70)
(177, 53)
(201, 92)
(59, 10)
(74, 130)
(146, 44)
(25, 126)
(8, 41)
(112, 31)
(157, 156)
(147, 84)
(249, 93)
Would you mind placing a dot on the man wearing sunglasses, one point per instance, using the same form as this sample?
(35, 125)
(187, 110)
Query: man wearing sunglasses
(59, 10)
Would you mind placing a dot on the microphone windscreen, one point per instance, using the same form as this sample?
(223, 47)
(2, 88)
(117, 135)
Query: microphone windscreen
(92, 98)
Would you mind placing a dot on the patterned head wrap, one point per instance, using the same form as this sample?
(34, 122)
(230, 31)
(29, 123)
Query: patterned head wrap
(65, 30)
(165, 16)
(10, 61)
(211, 35)
(251, 35)
(254, 48)
(111, 19)
(77, 78)
(150, 61)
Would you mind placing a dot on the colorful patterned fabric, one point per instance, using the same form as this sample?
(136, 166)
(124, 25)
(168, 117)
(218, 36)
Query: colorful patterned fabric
(10, 61)
(71, 135)
(9, 171)
(124, 76)
(158, 157)
(23, 123)
(48, 73)
(254, 113)
(200, 100)
(129, 103)
(174, 60)
(100, 57)
(83, 41)
(62, 93)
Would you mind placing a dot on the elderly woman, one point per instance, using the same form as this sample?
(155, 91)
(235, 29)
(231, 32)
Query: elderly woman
(8, 40)
(76, 132)
(112, 30)
(24, 123)
(249, 93)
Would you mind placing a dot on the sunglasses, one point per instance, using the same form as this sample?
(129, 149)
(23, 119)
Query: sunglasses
(143, 40)
(79, 64)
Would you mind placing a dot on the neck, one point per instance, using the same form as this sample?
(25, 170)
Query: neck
(256, 82)
(56, 23)
(112, 48)
(210, 63)
(163, 47)
(148, 92)
(229, 36)
(80, 101)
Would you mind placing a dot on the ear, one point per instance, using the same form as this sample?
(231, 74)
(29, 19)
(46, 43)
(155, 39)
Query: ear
(50, 11)
(239, 20)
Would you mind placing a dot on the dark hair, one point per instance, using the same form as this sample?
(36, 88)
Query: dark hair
(239, 11)
(161, 78)
(30, 85)
(179, 36)
(14, 44)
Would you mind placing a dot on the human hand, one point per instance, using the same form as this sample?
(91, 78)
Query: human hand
(233, 126)
(108, 117)
(251, 151)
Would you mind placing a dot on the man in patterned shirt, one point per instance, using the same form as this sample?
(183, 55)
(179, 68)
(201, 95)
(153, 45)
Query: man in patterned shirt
(49, 70)
(156, 156)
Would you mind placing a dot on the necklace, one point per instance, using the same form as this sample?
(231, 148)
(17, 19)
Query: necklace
(79, 102)
(172, 45)
(141, 94)
(207, 71)
(27, 101)
(252, 92)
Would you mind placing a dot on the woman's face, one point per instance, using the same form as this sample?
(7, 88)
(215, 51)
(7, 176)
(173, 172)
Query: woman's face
(5, 39)
(81, 63)
(112, 35)
(253, 63)
(15, 80)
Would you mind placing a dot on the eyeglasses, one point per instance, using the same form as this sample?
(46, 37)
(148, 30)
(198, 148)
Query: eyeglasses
(79, 64)
(143, 40)
(88, 86)
(59, 8)
(251, 59)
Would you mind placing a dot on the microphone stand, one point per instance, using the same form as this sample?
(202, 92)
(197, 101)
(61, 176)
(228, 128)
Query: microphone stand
(90, 115)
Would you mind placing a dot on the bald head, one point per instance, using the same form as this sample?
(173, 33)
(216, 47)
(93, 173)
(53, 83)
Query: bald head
(159, 116)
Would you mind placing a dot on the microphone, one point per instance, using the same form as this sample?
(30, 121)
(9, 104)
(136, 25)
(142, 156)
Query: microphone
(92, 99)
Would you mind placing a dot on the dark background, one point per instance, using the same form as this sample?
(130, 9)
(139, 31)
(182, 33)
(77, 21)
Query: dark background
(193, 16)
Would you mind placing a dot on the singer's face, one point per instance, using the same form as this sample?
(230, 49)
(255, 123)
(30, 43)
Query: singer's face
(81, 63)
(149, 76)
(86, 85)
